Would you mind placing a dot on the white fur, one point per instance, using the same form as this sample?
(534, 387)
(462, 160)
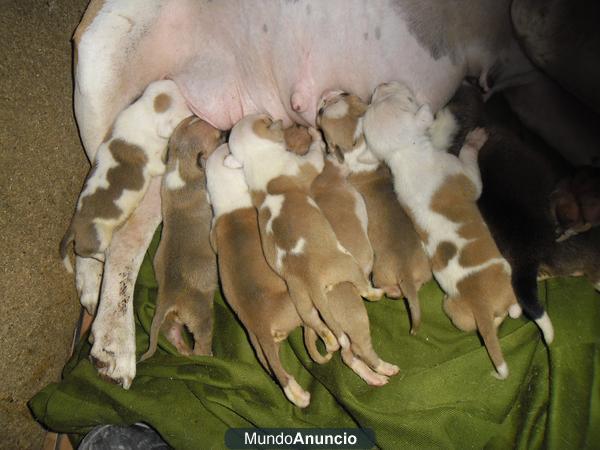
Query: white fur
(273, 203)
(298, 248)
(443, 130)
(342, 249)
(173, 180)
(296, 394)
(545, 325)
(336, 111)
(515, 311)
(502, 372)
(226, 187)
(312, 203)
(279, 255)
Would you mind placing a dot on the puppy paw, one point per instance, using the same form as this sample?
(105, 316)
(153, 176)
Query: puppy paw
(295, 394)
(476, 138)
(501, 372)
(369, 376)
(113, 353)
(386, 368)
(373, 294)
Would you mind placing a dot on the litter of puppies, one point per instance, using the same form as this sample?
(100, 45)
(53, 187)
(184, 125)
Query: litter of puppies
(301, 225)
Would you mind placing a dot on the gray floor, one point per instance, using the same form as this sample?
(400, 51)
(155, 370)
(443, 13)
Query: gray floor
(42, 167)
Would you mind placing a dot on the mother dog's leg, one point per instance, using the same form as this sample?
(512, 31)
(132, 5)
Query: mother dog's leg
(113, 330)
(118, 52)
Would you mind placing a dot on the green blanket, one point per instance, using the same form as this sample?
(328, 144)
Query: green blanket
(444, 396)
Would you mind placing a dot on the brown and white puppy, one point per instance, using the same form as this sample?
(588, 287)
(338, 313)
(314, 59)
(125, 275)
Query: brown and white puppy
(440, 191)
(185, 263)
(298, 241)
(130, 155)
(400, 265)
(258, 295)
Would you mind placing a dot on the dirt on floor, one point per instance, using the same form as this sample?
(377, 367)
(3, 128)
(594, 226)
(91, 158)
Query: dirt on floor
(42, 166)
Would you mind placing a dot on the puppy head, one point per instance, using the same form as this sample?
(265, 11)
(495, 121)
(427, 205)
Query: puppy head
(297, 139)
(168, 106)
(338, 117)
(394, 119)
(253, 133)
(193, 141)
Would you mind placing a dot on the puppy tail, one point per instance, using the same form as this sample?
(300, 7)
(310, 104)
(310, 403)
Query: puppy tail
(310, 341)
(157, 322)
(443, 129)
(524, 281)
(489, 333)
(63, 249)
(410, 292)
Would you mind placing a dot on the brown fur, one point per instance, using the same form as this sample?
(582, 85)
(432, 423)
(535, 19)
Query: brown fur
(257, 295)
(320, 267)
(339, 132)
(483, 300)
(162, 102)
(444, 252)
(185, 263)
(336, 198)
(297, 139)
(400, 264)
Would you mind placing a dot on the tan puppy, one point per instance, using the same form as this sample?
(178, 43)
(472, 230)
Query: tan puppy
(298, 241)
(185, 264)
(257, 295)
(130, 155)
(400, 265)
(439, 191)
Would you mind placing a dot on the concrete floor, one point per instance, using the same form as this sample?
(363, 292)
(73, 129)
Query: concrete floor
(42, 166)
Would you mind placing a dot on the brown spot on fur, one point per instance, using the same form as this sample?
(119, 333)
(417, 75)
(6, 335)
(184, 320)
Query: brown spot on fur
(455, 199)
(302, 181)
(480, 250)
(444, 252)
(127, 175)
(267, 129)
(340, 132)
(470, 230)
(162, 102)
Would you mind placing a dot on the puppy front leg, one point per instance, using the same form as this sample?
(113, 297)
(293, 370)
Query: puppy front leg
(468, 156)
(113, 331)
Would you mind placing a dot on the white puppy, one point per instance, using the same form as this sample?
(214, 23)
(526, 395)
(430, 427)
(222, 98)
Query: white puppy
(132, 152)
(439, 192)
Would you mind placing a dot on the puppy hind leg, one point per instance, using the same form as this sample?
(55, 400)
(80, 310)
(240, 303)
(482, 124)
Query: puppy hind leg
(293, 391)
(198, 318)
(359, 367)
(489, 333)
(524, 281)
(309, 315)
(259, 351)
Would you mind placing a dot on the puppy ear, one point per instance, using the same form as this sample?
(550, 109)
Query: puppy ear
(424, 116)
(367, 157)
(231, 163)
(277, 125)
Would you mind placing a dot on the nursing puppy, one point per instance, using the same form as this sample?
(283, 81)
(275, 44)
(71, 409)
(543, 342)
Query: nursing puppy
(185, 263)
(400, 265)
(439, 191)
(298, 241)
(519, 202)
(130, 155)
(258, 295)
